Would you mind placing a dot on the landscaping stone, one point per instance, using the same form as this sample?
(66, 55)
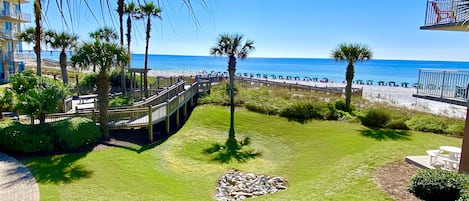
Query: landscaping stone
(236, 185)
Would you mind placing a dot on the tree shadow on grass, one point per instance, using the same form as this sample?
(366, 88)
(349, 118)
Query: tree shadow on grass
(386, 134)
(231, 150)
(58, 168)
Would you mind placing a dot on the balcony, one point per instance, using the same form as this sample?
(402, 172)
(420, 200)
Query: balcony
(450, 15)
(11, 14)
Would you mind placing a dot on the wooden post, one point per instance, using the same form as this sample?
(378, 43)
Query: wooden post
(177, 117)
(167, 118)
(93, 115)
(150, 124)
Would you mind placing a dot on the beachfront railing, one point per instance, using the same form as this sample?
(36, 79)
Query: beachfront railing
(449, 85)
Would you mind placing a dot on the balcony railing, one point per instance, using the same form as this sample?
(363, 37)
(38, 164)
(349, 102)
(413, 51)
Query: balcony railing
(15, 15)
(446, 12)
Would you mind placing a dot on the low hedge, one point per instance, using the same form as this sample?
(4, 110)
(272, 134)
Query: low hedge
(434, 124)
(62, 135)
(305, 111)
(438, 184)
(376, 118)
(75, 132)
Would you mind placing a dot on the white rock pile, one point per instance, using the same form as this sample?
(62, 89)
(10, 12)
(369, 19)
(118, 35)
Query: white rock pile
(236, 185)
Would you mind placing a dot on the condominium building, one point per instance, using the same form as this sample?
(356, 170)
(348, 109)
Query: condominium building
(11, 50)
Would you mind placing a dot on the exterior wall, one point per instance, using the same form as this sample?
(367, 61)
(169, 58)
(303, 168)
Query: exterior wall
(11, 20)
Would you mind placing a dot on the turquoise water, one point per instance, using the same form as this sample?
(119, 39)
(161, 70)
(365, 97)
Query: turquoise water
(376, 70)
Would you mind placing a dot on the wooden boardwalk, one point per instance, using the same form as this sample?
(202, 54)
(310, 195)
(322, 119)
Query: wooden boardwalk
(173, 100)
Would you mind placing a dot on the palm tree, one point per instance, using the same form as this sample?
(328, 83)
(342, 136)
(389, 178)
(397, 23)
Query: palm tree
(105, 33)
(350, 53)
(29, 36)
(37, 47)
(234, 46)
(62, 41)
(105, 56)
(148, 10)
(130, 10)
(120, 11)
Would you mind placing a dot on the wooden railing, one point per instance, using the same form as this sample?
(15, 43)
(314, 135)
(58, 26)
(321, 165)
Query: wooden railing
(143, 114)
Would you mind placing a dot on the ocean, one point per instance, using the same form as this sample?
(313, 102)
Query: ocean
(377, 70)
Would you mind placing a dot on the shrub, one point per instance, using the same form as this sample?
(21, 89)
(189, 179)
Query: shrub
(89, 80)
(455, 129)
(397, 124)
(66, 134)
(340, 105)
(262, 108)
(437, 184)
(427, 123)
(376, 118)
(75, 132)
(24, 138)
(300, 112)
(120, 101)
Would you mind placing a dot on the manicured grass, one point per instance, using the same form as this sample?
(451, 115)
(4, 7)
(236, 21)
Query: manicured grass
(322, 160)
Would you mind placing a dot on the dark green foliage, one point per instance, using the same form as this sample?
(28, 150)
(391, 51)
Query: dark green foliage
(397, 124)
(427, 123)
(438, 184)
(89, 80)
(262, 108)
(305, 111)
(300, 112)
(115, 79)
(74, 133)
(24, 138)
(62, 135)
(120, 101)
(342, 106)
(376, 118)
(455, 128)
(41, 95)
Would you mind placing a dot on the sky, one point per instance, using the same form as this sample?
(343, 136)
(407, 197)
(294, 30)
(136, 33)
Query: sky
(284, 29)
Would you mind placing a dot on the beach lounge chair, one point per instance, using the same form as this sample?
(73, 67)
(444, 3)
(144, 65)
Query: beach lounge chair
(442, 14)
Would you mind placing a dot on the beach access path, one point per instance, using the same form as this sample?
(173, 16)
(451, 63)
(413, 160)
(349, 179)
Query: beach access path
(16, 181)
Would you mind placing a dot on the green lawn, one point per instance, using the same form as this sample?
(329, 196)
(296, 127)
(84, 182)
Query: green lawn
(322, 160)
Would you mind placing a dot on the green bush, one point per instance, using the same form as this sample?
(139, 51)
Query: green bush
(300, 112)
(455, 129)
(24, 138)
(376, 118)
(340, 105)
(397, 124)
(262, 108)
(75, 132)
(427, 123)
(62, 135)
(438, 184)
(120, 101)
(89, 80)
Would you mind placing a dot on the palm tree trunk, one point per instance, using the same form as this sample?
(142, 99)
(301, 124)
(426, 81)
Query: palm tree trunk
(120, 10)
(231, 71)
(37, 47)
(145, 81)
(102, 85)
(348, 88)
(129, 30)
(63, 66)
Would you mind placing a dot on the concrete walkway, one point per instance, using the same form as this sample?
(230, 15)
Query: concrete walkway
(16, 181)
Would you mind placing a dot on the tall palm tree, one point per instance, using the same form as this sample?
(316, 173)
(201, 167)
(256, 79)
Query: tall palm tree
(29, 36)
(104, 55)
(37, 47)
(350, 53)
(147, 11)
(62, 41)
(130, 10)
(120, 11)
(234, 46)
(104, 33)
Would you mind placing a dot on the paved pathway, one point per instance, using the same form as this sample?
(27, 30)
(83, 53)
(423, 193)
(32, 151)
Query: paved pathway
(16, 181)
